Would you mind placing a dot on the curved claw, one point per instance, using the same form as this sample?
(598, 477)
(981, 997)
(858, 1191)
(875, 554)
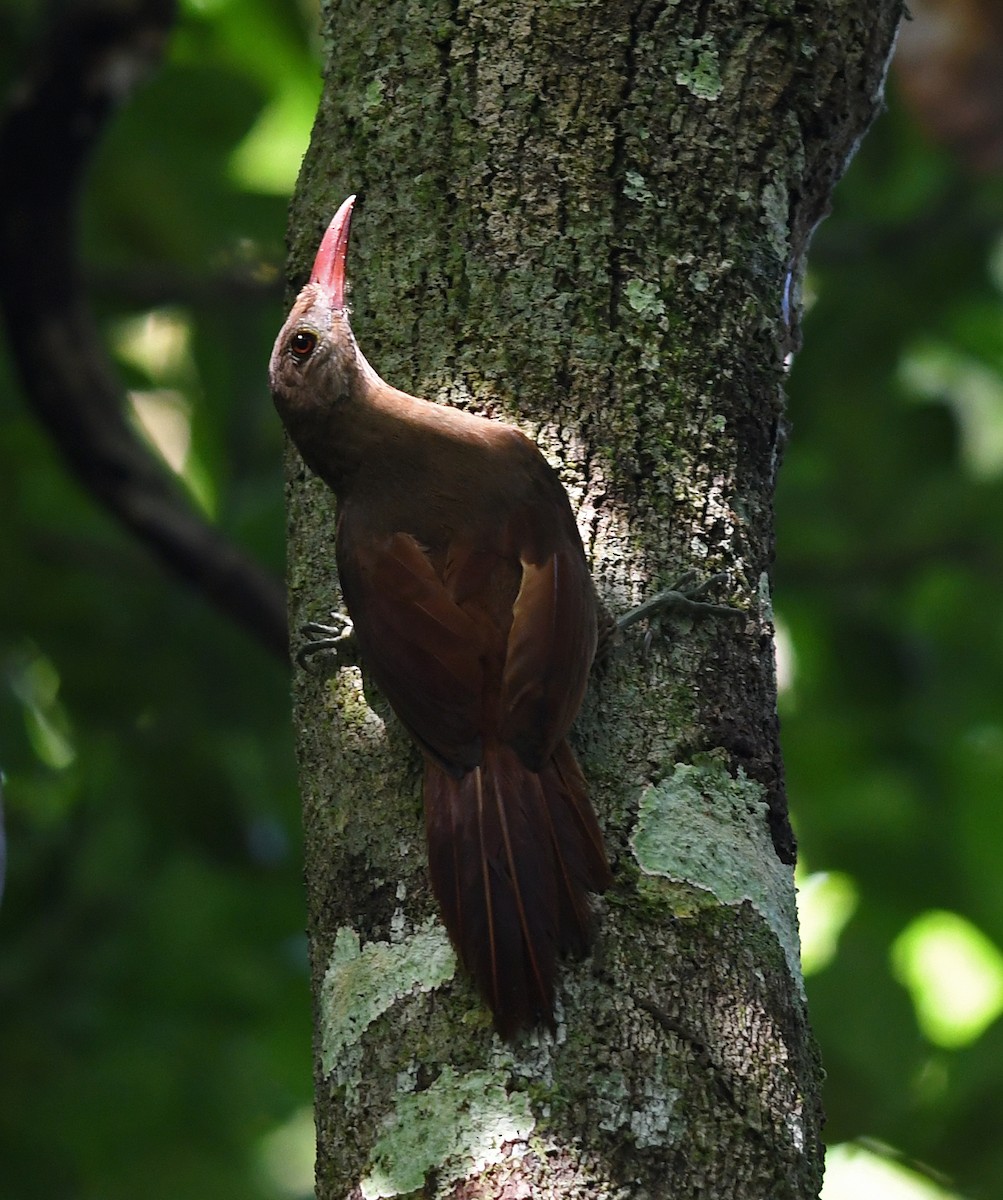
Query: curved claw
(336, 639)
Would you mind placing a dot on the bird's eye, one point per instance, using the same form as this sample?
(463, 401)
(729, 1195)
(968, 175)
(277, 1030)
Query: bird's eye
(302, 344)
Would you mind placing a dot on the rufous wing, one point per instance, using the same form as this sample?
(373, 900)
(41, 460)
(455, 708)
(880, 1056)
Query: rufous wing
(425, 652)
(483, 649)
(550, 649)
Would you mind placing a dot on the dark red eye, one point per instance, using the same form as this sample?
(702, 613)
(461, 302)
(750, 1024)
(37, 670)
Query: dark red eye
(302, 344)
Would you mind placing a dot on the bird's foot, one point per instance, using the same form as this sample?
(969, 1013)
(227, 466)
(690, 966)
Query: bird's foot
(683, 598)
(336, 642)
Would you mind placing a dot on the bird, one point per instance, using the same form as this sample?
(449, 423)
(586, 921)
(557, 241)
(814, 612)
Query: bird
(475, 614)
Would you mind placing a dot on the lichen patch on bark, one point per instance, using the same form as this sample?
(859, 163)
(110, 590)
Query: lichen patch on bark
(704, 827)
(457, 1126)
(361, 982)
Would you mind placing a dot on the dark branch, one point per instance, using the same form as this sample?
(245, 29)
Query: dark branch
(95, 54)
(150, 288)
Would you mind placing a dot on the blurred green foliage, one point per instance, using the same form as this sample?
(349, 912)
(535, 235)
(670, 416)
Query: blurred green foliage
(154, 1009)
(154, 999)
(889, 579)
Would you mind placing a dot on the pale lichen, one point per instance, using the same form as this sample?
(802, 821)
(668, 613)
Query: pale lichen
(704, 827)
(701, 74)
(457, 1126)
(775, 200)
(635, 187)
(645, 1112)
(643, 298)
(362, 982)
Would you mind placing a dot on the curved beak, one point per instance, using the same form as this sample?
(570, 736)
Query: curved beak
(329, 265)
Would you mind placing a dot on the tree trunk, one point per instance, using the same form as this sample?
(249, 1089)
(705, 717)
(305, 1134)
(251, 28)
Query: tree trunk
(591, 219)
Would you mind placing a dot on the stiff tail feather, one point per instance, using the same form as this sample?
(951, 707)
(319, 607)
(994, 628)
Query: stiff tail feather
(513, 855)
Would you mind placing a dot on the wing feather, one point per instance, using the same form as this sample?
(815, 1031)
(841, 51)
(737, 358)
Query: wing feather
(550, 649)
(435, 635)
(424, 651)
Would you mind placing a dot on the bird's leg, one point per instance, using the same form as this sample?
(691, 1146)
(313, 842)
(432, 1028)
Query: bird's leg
(683, 598)
(336, 640)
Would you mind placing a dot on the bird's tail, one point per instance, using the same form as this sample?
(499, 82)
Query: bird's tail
(513, 855)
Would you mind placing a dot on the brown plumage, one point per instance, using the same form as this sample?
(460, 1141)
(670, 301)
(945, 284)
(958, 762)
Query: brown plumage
(465, 578)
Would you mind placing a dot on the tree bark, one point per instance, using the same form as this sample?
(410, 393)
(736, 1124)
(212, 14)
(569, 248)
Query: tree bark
(590, 219)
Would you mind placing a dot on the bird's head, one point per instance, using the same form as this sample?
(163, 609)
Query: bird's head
(314, 361)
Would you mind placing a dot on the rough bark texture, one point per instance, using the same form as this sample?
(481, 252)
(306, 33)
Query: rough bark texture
(589, 217)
